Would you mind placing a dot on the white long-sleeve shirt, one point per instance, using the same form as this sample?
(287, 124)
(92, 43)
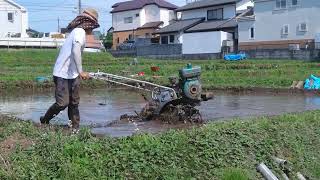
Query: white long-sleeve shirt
(69, 62)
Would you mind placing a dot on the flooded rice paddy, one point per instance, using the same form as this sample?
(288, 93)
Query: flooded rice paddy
(99, 108)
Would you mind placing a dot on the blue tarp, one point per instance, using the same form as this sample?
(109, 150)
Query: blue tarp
(313, 82)
(235, 57)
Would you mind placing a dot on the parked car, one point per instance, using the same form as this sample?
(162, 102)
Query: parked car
(129, 44)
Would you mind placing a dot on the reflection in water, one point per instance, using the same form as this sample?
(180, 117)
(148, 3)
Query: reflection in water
(100, 107)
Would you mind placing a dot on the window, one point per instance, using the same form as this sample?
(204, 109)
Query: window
(285, 29)
(281, 4)
(128, 20)
(252, 33)
(118, 40)
(10, 17)
(130, 37)
(164, 39)
(303, 27)
(137, 15)
(171, 38)
(147, 35)
(216, 14)
(294, 2)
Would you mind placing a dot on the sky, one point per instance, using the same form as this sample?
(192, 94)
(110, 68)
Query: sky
(44, 15)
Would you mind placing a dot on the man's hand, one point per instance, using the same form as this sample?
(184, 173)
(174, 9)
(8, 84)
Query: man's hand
(84, 75)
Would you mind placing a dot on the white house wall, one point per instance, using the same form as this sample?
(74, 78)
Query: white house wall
(142, 17)
(243, 30)
(20, 23)
(228, 12)
(152, 13)
(203, 42)
(269, 22)
(149, 13)
(164, 16)
(118, 20)
(24, 24)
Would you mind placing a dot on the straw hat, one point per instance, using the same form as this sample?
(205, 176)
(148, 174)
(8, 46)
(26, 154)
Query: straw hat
(92, 13)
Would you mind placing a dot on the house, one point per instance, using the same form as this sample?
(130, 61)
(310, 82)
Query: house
(13, 19)
(205, 26)
(280, 24)
(139, 18)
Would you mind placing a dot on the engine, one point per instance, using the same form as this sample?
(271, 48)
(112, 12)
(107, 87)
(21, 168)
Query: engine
(189, 83)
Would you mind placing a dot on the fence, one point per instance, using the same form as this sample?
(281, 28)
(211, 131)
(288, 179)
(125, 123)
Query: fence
(153, 50)
(31, 42)
(283, 54)
(123, 53)
(174, 51)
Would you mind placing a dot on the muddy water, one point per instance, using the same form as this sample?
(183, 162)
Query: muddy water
(98, 108)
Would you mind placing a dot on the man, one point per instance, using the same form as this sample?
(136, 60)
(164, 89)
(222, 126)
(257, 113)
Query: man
(68, 71)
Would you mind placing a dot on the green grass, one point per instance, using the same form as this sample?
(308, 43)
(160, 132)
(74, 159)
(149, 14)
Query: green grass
(20, 68)
(224, 150)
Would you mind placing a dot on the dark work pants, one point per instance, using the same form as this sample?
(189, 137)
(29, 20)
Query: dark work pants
(66, 95)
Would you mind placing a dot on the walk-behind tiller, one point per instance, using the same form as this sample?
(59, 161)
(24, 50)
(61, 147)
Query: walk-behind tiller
(170, 104)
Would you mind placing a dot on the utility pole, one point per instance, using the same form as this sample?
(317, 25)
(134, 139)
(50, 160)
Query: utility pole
(59, 24)
(79, 6)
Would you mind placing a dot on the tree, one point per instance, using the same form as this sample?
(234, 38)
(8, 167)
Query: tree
(107, 41)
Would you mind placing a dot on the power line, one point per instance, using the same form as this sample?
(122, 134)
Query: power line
(46, 20)
(63, 2)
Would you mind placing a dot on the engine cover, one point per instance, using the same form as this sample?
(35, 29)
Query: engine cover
(190, 82)
(192, 89)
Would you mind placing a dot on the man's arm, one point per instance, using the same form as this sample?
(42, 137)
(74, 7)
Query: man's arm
(77, 56)
(76, 53)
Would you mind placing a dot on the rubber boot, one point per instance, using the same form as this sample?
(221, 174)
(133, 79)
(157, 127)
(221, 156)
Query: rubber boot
(51, 113)
(74, 116)
(300, 85)
(294, 84)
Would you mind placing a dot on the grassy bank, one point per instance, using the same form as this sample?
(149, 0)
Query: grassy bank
(20, 68)
(226, 150)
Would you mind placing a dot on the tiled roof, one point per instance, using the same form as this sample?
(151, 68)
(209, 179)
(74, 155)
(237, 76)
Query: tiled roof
(179, 25)
(138, 4)
(213, 25)
(205, 3)
(155, 24)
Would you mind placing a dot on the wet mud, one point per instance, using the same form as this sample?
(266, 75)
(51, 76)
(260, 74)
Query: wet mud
(101, 109)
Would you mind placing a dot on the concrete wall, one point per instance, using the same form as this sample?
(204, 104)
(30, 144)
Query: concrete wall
(229, 11)
(154, 51)
(203, 42)
(160, 50)
(269, 21)
(283, 54)
(174, 51)
(123, 53)
(20, 22)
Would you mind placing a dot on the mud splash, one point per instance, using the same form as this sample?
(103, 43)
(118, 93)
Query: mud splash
(100, 109)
